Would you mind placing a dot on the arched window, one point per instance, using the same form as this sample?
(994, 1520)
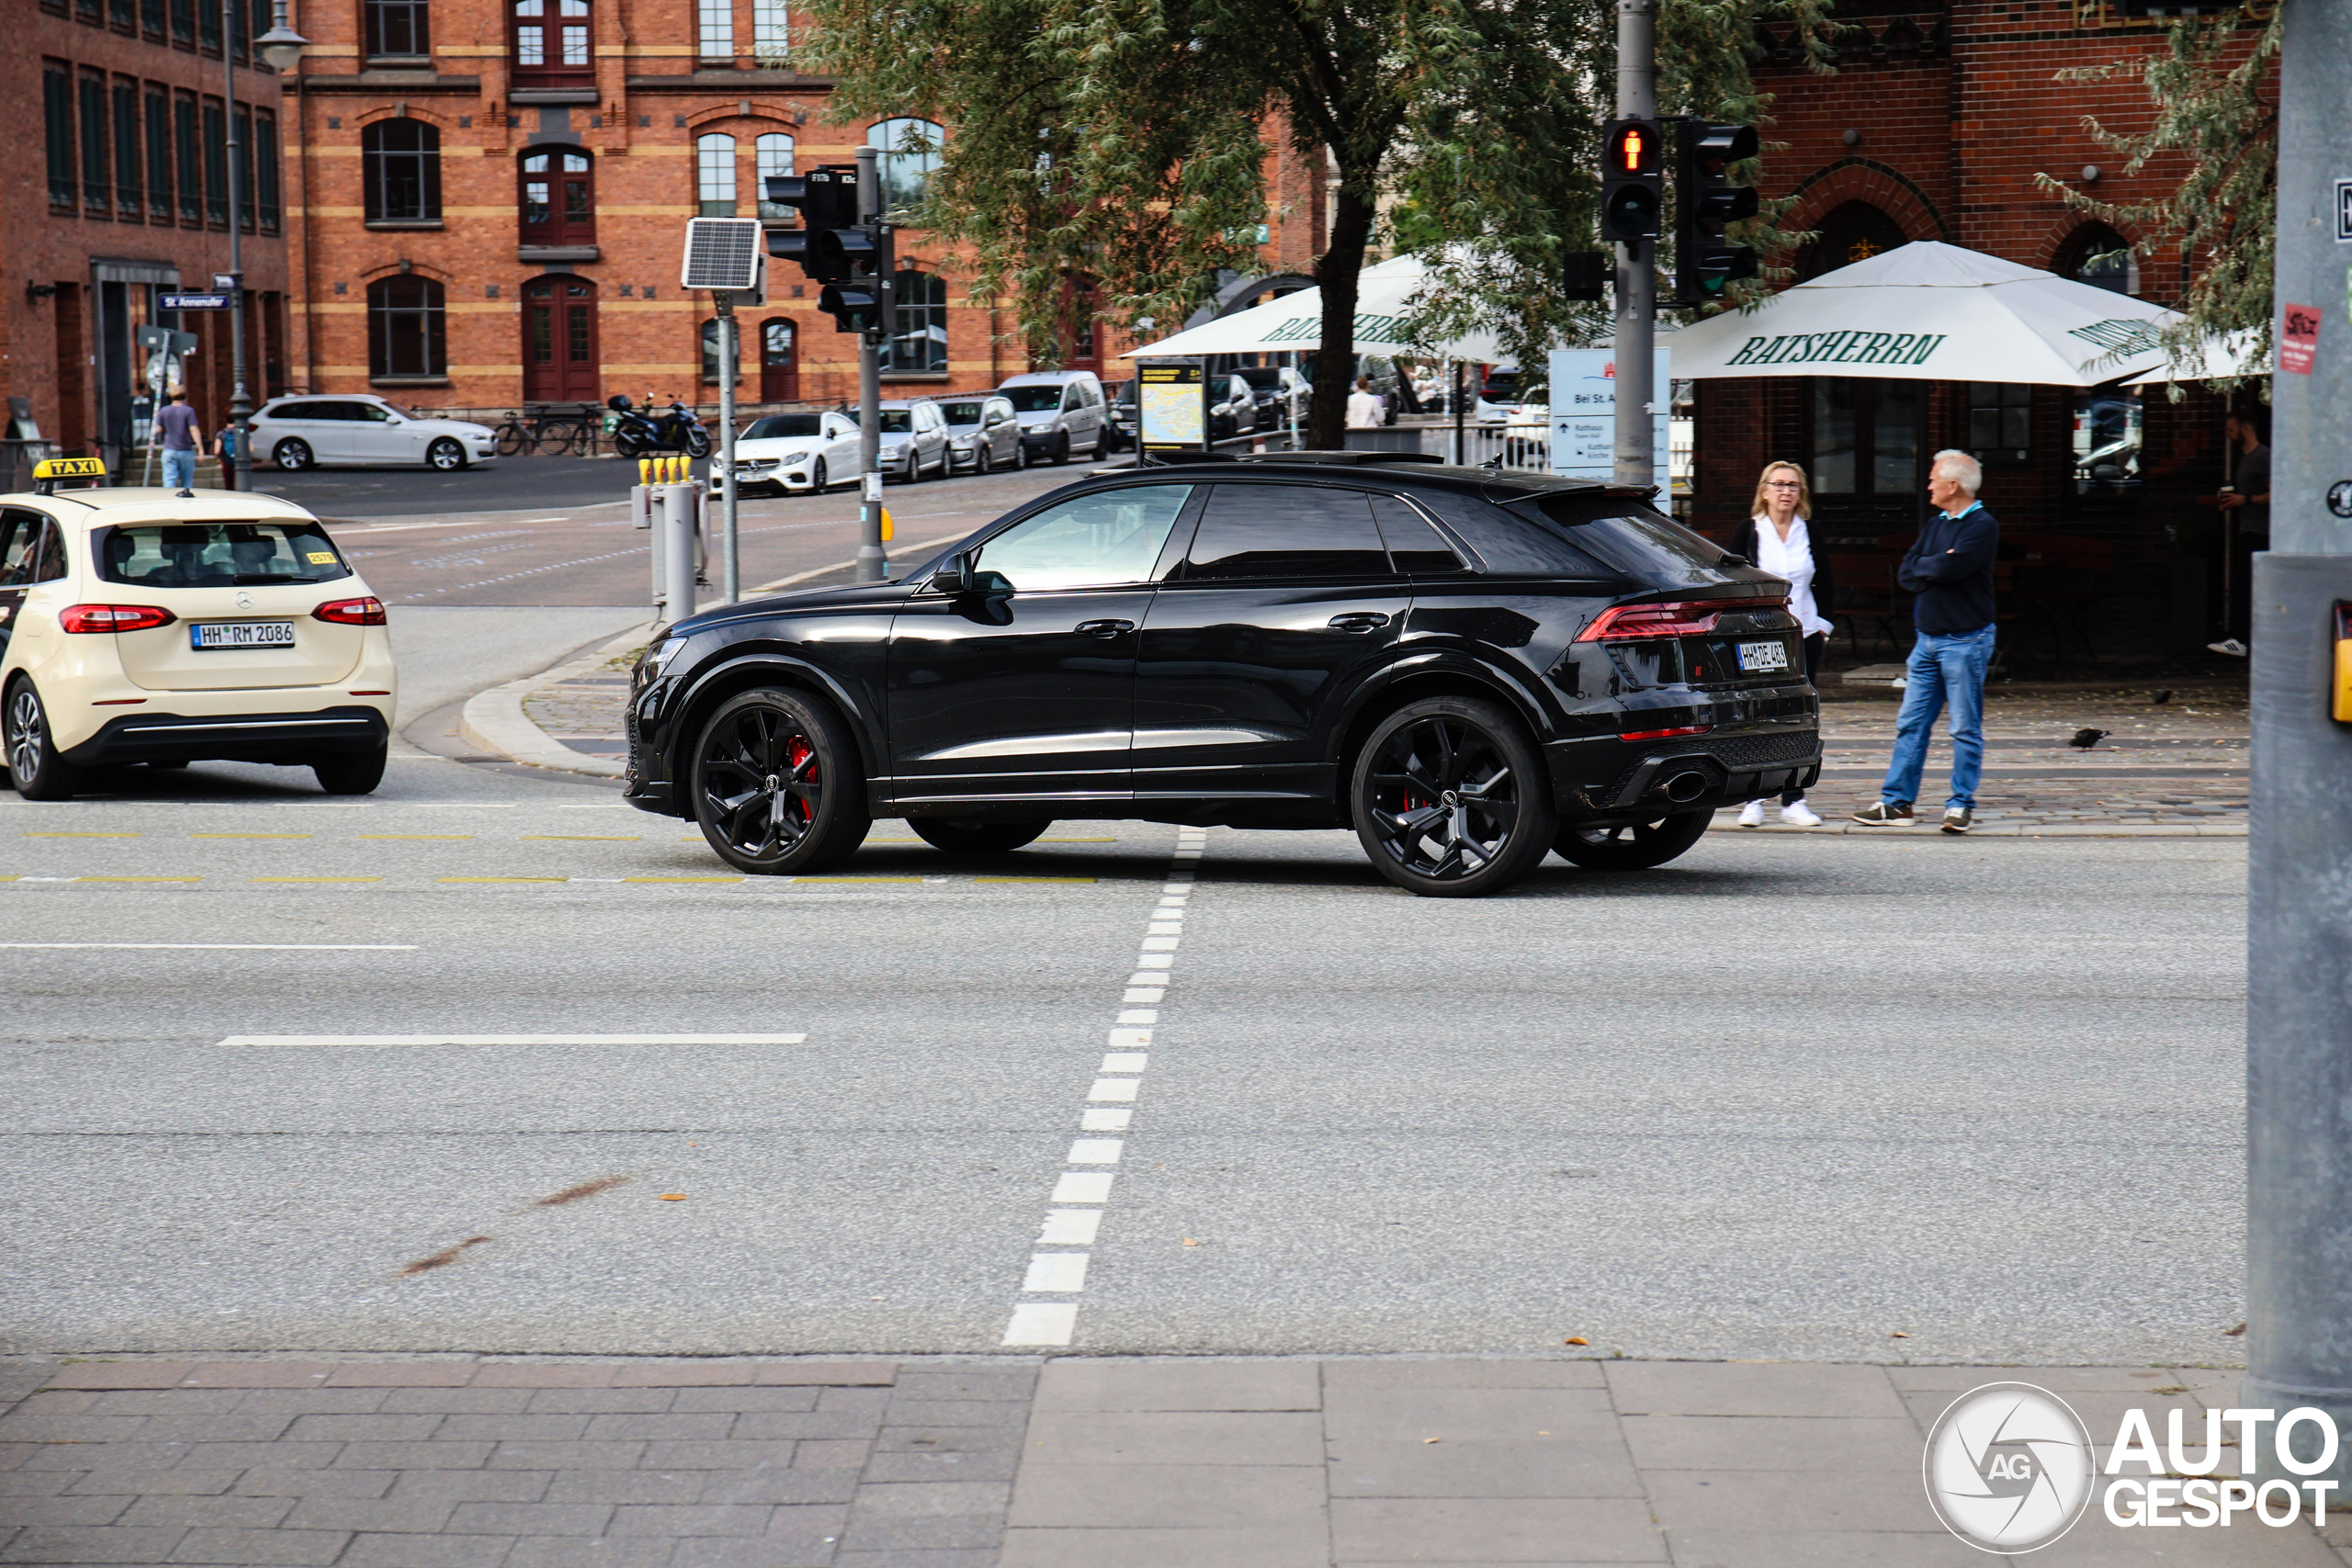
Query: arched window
(399, 29)
(558, 197)
(715, 176)
(910, 154)
(919, 339)
(2099, 257)
(1854, 232)
(400, 168)
(405, 336)
(779, 370)
(773, 154)
(552, 44)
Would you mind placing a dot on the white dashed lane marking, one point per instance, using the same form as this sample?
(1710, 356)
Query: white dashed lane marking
(1117, 1084)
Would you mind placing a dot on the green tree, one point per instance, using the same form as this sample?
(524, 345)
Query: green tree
(2215, 92)
(1122, 142)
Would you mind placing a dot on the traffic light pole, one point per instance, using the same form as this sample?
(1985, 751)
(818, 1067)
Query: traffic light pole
(237, 466)
(2299, 1006)
(1636, 277)
(731, 359)
(872, 565)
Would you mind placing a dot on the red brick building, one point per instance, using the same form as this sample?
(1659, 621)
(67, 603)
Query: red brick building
(1933, 128)
(120, 195)
(492, 197)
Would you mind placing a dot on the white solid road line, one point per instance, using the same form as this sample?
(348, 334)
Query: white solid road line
(516, 1040)
(236, 946)
(1055, 1273)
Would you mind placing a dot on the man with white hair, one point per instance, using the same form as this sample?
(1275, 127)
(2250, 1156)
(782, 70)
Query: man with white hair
(1950, 574)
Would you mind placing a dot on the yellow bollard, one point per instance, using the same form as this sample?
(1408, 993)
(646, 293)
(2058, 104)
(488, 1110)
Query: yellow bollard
(645, 470)
(889, 529)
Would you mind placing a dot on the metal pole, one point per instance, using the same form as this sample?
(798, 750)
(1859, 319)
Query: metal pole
(1460, 374)
(2299, 1006)
(677, 544)
(1636, 277)
(730, 561)
(872, 564)
(238, 472)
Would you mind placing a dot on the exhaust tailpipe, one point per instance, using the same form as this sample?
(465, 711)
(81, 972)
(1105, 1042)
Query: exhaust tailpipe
(1683, 788)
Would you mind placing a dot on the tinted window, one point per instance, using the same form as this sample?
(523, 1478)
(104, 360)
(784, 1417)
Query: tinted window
(1630, 537)
(1034, 399)
(1508, 544)
(961, 413)
(1286, 531)
(783, 424)
(292, 411)
(1413, 545)
(897, 422)
(1090, 541)
(218, 554)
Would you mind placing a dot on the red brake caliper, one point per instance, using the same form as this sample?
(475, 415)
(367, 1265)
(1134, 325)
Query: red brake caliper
(796, 751)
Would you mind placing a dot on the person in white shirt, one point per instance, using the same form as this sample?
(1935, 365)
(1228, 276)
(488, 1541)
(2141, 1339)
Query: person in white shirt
(1363, 406)
(1777, 539)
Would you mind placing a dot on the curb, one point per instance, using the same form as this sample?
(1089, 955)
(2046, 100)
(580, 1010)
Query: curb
(2004, 831)
(494, 719)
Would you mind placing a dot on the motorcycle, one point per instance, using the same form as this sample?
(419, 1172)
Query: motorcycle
(640, 434)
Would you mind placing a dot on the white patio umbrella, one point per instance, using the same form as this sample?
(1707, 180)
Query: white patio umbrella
(1928, 312)
(2230, 356)
(1294, 323)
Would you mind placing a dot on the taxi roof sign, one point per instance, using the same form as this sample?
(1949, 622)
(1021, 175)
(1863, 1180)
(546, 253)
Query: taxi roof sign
(49, 470)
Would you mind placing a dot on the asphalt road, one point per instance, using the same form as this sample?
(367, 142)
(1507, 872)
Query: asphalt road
(1786, 1098)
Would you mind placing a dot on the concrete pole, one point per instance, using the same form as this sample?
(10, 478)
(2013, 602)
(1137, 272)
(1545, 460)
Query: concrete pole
(677, 544)
(2299, 1011)
(730, 563)
(1636, 277)
(871, 562)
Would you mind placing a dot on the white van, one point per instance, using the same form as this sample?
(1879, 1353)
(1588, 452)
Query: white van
(1062, 413)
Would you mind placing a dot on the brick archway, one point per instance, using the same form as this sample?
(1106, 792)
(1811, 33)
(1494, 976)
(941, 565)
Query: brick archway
(1866, 181)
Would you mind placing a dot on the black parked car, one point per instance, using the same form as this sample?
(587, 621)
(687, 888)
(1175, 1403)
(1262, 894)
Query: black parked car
(1470, 668)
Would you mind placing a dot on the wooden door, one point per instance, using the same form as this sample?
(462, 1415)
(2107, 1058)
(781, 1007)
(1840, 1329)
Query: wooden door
(560, 364)
(780, 361)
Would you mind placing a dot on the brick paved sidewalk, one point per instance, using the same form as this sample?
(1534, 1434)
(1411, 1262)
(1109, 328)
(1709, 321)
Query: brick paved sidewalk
(1000, 1463)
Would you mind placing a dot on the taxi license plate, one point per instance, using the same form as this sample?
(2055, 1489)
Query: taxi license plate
(1763, 656)
(204, 635)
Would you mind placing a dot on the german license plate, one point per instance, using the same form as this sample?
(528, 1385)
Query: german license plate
(203, 635)
(1763, 656)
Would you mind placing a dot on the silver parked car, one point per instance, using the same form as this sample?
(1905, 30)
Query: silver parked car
(361, 431)
(913, 440)
(983, 434)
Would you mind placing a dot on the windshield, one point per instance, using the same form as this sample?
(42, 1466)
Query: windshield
(961, 413)
(897, 422)
(784, 424)
(1033, 400)
(218, 554)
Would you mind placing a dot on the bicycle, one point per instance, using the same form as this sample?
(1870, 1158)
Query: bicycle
(512, 437)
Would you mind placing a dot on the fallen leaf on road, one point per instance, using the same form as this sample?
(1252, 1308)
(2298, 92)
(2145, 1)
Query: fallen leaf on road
(2233, 1333)
(674, 1197)
(1898, 1334)
(1432, 1440)
(1190, 1242)
(1576, 1339)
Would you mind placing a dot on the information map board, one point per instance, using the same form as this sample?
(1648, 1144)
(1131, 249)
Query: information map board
(1171, 405)
(1584, 413)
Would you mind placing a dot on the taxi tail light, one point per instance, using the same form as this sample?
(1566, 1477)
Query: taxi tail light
(367, 612)
(1684, 617)
(113, 618)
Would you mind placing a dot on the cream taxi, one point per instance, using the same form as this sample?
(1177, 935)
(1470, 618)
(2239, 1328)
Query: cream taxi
(139, 625)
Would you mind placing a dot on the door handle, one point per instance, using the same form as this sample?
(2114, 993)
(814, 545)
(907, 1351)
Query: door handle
(1105, 628)
(1359, 621)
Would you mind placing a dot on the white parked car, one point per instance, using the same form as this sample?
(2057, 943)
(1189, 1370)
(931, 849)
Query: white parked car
(795, 451)
(1062, 413)
(141, 625)
(983, 434)
(357, 431)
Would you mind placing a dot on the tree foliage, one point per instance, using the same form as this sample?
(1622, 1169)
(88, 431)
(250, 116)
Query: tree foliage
(1122, 142)
(2216, 106)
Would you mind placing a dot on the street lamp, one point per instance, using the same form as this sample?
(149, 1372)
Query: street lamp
(282, 47)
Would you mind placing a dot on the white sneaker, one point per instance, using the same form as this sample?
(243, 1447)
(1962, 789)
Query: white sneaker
(1752, 814)
(1798, 813)
(2230, 646)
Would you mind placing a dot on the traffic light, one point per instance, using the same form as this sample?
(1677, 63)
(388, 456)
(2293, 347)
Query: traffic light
(853, 259)
(1633, 181)
(1707, 203)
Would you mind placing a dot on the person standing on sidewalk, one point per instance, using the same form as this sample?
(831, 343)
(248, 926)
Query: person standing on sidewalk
(2245, 508)
(1363, 406)
(1950, 574)
(182, 438)
(1777, 539)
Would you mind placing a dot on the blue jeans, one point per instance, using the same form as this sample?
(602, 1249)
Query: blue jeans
(1942, 669)
(180, 470)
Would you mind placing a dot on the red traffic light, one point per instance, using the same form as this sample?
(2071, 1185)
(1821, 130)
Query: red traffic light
(1632, 148)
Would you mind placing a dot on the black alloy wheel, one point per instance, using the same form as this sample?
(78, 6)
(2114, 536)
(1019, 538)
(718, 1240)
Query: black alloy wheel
(445, 455)
(34, 766)
(293, 456)
(971, 836)
(777, 787)
(1635, 847)
(1450, 799)
(357, 772)
(817, 479)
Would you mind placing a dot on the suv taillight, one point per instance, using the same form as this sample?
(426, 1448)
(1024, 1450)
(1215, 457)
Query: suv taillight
(367, 612)
(1687, 617)
(113, 618)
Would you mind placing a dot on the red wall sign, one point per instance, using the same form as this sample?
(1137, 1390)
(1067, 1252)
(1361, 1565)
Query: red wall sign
(2298, 338)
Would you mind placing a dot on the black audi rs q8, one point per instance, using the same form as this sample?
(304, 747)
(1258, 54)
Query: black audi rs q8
(1469, 667)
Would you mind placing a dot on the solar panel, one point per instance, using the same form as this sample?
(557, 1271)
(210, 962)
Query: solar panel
(722, 253)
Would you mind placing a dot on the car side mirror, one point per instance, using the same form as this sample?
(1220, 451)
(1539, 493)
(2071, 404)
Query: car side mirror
(954, 576)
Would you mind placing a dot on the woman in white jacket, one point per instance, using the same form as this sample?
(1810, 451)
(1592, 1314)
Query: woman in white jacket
(1777, 539)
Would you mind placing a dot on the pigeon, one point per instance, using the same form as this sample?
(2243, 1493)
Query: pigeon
(2085, 738)
(2161, 696)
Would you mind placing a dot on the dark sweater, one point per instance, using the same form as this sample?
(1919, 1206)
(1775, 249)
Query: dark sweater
(1950, 571)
